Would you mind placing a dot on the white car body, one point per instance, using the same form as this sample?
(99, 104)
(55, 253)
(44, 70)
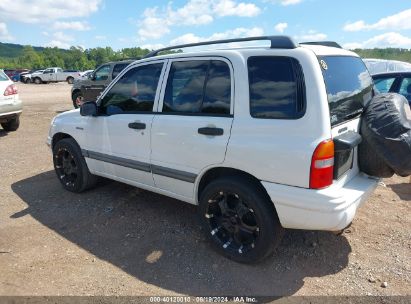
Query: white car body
(11, 105)
(171, 158)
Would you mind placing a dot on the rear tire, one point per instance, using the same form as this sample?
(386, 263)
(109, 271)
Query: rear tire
(27, 80)
(11, 125)
(70, 166)
(239, 219)
(371, 163)
(70, 80)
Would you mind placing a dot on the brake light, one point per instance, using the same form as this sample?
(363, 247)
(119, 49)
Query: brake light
(10, 90)
(322, 165)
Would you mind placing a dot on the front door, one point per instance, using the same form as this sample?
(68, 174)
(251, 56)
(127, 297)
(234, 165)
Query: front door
(97, 83)
(118, 143)
(193, 128)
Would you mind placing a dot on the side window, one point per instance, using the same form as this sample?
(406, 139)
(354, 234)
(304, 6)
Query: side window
(217, 94)
(102, 73)
(118, 68)
(405, 88)
(383, 85)
(277, 88)
(48, 71)
(134, 92)
(200, 86)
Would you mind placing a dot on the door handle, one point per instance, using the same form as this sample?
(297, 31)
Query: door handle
(137, 125)
(211, 131)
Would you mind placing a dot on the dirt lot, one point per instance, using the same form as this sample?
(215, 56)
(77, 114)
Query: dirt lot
(119, 240)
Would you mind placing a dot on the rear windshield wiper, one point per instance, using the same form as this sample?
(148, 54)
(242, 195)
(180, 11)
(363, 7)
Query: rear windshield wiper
(354, 114)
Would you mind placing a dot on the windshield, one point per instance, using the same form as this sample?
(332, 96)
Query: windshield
(349, 86)
(3, 77)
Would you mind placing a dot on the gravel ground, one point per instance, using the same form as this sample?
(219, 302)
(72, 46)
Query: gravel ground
(120, 240)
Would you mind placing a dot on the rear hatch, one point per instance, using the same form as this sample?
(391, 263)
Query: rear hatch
(349, 88)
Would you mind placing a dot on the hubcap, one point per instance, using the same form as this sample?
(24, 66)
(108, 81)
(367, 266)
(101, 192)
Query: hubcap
(232, 223)
(66, 167)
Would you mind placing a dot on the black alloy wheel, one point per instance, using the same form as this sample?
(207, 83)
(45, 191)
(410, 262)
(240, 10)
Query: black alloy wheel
(239, 219)
(71, 167)
(232, 222)
(66, 167)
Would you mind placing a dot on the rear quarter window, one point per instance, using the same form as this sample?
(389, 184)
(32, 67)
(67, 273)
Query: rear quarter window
(277, 88)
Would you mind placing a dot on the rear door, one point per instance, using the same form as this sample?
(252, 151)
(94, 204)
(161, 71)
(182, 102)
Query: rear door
(192, 128)
(349, 88)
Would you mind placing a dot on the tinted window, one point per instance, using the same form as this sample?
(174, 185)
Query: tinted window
(102, 73)
(118, 68)
(349, 86)
(383, 85)
(185, 85)
(276, 87)
(135, 91)
(3, 77)
(200, 86)
(217, 94)
(405, 88)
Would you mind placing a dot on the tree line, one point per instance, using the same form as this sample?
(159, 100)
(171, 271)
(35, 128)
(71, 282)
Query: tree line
(79, 59)
(75, 58)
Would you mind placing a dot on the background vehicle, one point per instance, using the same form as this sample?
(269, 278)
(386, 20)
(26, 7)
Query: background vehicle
(260, 138)
(394, 82)
(27, 76)
(89, 88)
(85, 74)
(55, 75)
(10, 104)
(14, 74)
(376, 66)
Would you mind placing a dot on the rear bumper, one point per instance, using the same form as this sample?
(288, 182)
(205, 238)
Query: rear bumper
(330, 209)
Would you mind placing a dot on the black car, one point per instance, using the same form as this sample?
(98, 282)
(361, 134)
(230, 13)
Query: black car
(89, 89)
(394, 82)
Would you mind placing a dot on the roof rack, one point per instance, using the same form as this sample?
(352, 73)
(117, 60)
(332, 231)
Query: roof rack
(277, 42)
(324, 43)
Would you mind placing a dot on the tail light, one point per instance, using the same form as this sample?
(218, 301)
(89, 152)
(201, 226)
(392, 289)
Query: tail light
(322, 165)
(10, 90)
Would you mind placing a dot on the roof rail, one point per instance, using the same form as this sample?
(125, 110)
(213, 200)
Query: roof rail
(277, 42)
(324, 43)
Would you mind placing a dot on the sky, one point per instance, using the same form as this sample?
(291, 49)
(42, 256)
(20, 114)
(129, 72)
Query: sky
(153, 24)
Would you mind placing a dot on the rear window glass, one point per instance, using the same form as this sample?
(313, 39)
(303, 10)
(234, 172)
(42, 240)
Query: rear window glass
(349, 86)
(277, 87)
(3, 77)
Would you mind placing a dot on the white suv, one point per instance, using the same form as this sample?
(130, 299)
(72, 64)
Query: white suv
(261, 138)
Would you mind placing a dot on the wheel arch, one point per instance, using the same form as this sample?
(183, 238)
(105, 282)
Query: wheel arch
(59, 136)
(216, 172)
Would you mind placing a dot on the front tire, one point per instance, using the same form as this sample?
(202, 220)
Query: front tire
(11, 125)
(70, 166)
(37, 80)
(77, 99)
(27, 80)
(239, 219)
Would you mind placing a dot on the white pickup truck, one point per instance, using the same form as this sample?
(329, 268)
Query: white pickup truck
(55, 75)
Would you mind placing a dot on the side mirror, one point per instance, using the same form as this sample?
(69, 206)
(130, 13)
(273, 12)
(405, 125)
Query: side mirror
(88, 108)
